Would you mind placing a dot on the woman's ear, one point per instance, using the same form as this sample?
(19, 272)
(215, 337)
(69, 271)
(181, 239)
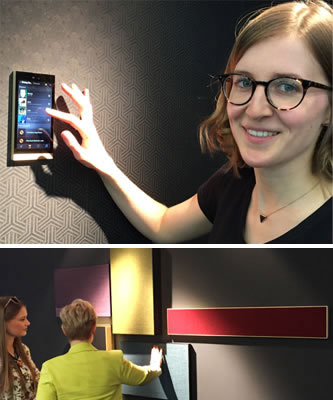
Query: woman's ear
(328, 119)
(63, 330)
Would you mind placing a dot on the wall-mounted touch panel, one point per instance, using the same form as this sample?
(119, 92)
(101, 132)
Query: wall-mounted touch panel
(31, 128)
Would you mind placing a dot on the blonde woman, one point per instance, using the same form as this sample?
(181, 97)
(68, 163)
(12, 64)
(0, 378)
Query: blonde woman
(18, 373)
(272, 119)
(86, 373)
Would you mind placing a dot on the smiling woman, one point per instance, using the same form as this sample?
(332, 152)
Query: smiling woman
(273, 121)
(19, 375)
(273, 118)
(293, 135)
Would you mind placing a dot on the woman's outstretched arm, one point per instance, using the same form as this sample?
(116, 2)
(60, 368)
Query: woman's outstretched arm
(154, 220)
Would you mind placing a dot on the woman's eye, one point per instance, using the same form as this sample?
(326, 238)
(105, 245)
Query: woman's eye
(244, 83)
(287, 87)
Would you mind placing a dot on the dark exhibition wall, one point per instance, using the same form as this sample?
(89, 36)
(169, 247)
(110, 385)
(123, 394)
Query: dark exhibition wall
(146, 64)
(229, 368)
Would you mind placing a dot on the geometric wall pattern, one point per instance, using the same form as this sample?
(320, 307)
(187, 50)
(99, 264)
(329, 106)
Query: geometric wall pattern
(174, 383)
(146, 64)
(309, 322)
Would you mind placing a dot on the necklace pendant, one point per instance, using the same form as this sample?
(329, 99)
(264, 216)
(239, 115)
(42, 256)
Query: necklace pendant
(262, 218)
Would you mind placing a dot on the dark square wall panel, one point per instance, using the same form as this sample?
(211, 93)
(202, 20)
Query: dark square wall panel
(90, 283)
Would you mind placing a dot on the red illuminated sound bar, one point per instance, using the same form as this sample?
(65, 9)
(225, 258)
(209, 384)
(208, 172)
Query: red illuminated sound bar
(287, 322)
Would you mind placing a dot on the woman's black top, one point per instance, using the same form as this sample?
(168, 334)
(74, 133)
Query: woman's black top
(225, 199)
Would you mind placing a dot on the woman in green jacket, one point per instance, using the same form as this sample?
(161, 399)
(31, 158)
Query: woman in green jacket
(85, 372)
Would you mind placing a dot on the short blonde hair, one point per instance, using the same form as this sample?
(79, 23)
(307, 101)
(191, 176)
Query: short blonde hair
(309, 20)
(78, 319)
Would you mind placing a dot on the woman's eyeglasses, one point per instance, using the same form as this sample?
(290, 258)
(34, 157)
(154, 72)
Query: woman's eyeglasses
(13, 299)
(282, 93)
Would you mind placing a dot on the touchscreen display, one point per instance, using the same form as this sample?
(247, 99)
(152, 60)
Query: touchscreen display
(33, 125)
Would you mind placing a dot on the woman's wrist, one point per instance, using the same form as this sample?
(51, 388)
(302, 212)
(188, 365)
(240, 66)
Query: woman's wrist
(105, 165)
(108, 170)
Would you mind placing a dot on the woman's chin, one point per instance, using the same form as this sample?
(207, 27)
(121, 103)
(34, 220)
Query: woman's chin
(257, 162)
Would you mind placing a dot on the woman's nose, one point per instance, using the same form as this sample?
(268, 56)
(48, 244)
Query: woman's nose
(259, 107)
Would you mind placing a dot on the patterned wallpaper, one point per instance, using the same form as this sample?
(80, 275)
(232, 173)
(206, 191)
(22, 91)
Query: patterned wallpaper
(146, 64)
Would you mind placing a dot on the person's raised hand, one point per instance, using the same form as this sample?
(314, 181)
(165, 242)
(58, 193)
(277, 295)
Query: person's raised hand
(91, 151)
(156, 357)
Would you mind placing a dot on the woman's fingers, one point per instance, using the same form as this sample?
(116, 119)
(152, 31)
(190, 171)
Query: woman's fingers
(82, 126)
(86, 93)
(156, 357)
(71, 141)
(65, 117)
(73, 92)
(77, 92)
(81, 99)
(90, 141)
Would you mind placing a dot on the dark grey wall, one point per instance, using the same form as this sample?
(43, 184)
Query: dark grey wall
(227, 368)
(146, 64)
(257, 369)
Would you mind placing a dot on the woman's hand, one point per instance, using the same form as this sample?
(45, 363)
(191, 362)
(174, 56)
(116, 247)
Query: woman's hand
(91, 151)
(154, 220)
(156, 358)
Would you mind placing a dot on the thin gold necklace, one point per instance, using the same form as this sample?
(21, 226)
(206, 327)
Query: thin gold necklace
(264, 217)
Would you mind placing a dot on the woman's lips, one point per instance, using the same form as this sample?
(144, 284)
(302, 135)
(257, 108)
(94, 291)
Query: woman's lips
(259, 136)
(260, 133)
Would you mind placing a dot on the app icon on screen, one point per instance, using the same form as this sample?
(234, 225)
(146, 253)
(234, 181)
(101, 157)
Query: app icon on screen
(22, 110)
(22, 119)
(23, 92)
(22, 102)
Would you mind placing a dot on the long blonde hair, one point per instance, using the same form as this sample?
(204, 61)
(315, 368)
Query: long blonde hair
(312, 22)
(8, 310)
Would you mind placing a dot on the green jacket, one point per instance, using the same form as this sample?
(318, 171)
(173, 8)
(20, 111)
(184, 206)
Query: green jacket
(85, 373)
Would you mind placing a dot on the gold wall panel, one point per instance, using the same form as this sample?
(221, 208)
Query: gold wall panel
(132, 291)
